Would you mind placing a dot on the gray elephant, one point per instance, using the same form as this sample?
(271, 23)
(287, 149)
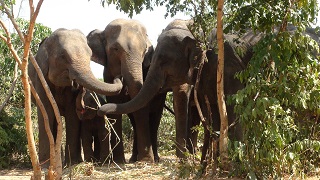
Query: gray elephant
(93, 128)
(173, 56)
(174, 64)
(64, 59)
(123, 48)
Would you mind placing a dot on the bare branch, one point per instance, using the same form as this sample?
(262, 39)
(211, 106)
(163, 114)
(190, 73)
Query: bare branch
(14, 82)
(196, 89)
(36, 12)
(9, 44)
(5, 29)
(46, 122)
(13, 21)
(55, 109)
(3, 38)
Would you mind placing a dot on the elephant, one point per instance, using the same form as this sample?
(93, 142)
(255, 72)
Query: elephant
(93, 127)
(181, 89)
(123, 48)
(174, 64)
(64, 59)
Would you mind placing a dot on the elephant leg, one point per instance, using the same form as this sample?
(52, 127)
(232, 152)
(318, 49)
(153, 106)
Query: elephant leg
(116, 138)
(134, 155)
(236, 131)
(86, 137)
(104, 141)
(154, 118)
(145, 152)
(73, 141)
(96, 146)
(205, 145)
(193, 120)
(181, 96)
(44, 145)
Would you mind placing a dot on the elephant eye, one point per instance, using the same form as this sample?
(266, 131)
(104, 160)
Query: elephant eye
(115, 46)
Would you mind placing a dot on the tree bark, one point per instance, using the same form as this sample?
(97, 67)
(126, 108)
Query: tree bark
(23, 65)
(223, 141)
(29, 130)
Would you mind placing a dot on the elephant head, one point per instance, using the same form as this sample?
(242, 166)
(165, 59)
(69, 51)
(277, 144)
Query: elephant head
(64, 58)
(172, 64)
(123, 48)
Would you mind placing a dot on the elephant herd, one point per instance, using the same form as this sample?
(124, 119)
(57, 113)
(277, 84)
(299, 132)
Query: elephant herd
(137, 77)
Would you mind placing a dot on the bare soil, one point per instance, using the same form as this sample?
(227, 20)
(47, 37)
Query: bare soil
(168, 168)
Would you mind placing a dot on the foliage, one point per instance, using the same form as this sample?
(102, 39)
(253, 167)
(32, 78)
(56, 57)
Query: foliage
(263, 15)
(279, 107)
(13, 141)
(127, 134)
(7, 61)
(167, 130)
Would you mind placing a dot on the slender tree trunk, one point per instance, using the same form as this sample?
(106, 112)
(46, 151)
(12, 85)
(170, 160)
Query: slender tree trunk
(223, 141)
(29, 130)
(23, 65)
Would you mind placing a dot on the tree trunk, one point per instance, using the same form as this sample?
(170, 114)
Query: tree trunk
(23, 65)
(223, 142)
(27, 106)
(29, 130)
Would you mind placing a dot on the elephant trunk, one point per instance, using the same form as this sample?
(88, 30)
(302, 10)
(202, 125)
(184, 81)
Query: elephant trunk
(131, 70)
(85, 78)
(150, 88)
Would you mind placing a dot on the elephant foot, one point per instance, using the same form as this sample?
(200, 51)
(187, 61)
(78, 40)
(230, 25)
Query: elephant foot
(156, 158)
(149, 159)
(133, 159)
(119, 160)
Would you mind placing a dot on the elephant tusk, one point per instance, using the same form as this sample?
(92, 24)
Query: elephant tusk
(75, 85)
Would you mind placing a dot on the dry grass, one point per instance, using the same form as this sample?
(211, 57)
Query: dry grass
(169, 167)
(165, 169)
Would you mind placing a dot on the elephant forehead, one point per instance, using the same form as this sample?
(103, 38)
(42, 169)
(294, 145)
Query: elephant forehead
(77, 50)
(69, 36)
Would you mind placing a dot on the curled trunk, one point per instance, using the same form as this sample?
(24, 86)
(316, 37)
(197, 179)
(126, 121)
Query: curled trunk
(89, 81)
(150, 88)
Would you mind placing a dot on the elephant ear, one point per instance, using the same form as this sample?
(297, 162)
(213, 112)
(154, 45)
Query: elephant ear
(79, 101)
(97, 42)
(147, 57)
(42, 57)
(193, 56)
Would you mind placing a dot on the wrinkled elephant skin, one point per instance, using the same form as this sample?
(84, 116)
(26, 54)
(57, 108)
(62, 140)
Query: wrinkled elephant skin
(123, 48)
(64, 59)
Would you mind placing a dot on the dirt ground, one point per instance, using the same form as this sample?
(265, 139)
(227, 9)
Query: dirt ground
(167, 168)
(161, 170)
